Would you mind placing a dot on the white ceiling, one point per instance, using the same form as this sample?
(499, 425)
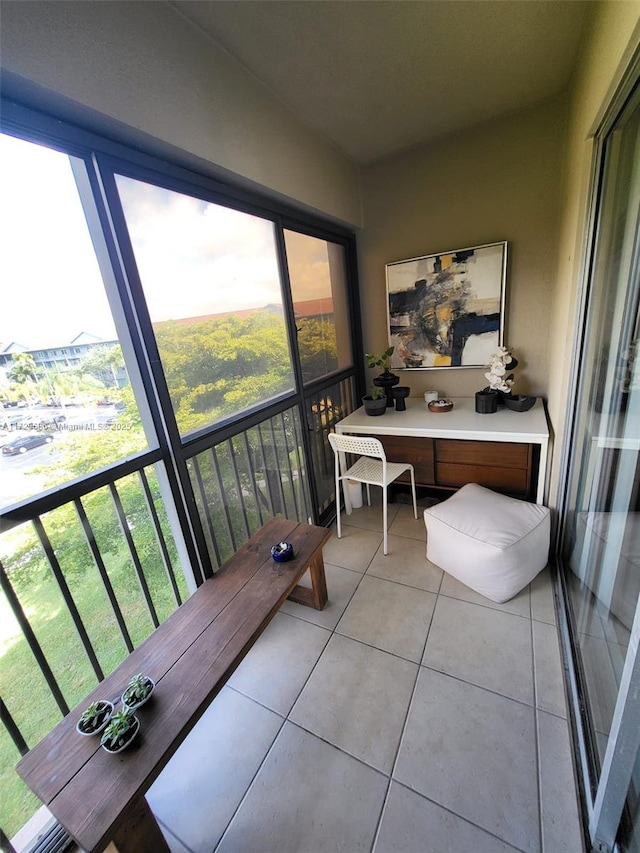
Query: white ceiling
(380, 76)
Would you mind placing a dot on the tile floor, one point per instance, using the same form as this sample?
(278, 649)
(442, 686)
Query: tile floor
(410, 715)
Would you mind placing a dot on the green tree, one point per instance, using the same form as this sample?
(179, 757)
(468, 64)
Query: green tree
(318, 347)
(23, 369)
(216, 368)
(103, 363)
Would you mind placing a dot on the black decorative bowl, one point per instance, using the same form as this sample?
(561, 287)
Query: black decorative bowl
(282, 552)
(519, 402)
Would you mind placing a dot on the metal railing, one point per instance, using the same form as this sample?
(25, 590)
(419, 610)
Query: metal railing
(100, 552)
(108, 526)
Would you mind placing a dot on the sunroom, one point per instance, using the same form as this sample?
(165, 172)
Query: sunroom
(188, 383)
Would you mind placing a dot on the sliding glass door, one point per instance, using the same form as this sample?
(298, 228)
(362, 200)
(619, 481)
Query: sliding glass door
(601, 547)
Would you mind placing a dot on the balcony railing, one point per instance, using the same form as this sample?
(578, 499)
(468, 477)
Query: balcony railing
(89, 570)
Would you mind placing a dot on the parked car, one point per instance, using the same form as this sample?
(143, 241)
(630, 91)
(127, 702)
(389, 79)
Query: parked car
(9, 422)
(26, 442)
(40, 421)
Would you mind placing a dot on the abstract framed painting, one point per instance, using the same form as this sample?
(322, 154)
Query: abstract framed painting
(447, 309)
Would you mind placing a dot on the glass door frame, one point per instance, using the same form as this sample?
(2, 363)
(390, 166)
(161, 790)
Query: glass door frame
(604, 796)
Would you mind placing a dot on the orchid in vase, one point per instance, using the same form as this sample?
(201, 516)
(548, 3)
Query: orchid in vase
(501, 362)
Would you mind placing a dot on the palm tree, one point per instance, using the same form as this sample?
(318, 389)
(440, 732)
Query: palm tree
(23, 368)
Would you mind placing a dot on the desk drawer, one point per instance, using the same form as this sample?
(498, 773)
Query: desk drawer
(514, 481)
(497, 453)
(417, 451)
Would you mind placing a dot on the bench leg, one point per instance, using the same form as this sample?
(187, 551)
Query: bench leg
(138, 832)
(316, 596)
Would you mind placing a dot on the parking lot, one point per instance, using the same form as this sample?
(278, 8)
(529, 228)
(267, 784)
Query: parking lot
(17, 476)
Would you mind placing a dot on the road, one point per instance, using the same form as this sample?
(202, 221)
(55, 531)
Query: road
(16, 480)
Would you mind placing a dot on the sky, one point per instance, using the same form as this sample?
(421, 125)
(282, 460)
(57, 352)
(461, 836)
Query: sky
(194, 257)
(50, 284)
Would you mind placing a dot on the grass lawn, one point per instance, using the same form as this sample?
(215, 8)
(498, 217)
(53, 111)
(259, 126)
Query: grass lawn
(22, 686)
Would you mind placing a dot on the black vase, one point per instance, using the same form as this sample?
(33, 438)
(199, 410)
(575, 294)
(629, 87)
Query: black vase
(400, 393)
(486, 402)
(387, 380)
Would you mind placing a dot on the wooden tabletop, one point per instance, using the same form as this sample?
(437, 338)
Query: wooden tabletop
(190, 656)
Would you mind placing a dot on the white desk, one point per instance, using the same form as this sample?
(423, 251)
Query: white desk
(461, 423)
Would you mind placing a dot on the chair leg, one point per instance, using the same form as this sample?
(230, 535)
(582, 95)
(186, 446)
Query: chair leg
(338, 526)
(413, 492)
(368, 495)
(384, 519)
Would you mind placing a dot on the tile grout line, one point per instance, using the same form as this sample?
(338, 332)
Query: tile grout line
(249, 786)
(409, 707)
(286, 719)
(536, 729)
(404, 724)
(460, 817)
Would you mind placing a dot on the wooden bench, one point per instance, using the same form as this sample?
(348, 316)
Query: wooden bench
(99, 798)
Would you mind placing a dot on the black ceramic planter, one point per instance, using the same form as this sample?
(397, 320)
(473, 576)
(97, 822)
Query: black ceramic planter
(400, 393)
(486, 402)
(519, 402)
(386, 381)
(375, 407)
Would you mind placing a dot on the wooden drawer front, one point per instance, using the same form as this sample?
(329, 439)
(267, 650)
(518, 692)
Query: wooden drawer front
(417, 451)
(497, 453)
(511, 480)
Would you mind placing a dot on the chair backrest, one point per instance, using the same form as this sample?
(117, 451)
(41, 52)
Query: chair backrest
(363, 445)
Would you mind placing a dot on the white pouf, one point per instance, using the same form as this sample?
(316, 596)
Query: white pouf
(494, 544)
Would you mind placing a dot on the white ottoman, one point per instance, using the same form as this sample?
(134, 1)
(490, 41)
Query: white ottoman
(494, 544)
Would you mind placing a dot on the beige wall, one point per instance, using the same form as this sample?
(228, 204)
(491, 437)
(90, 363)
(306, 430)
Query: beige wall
(610, 42)
(498, 181)
(142, 64)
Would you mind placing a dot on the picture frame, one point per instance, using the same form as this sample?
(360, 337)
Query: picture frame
(446, 310)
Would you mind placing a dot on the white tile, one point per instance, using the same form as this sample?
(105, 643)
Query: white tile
(561, 828)
(519, 605)
(389, 616)
(370, 517)
(482, 646)
(474, 753)
(406, 563)
(542, 602)
(547, 666)
(411, 823)
(406, 525)
(341, 584)
(276, 668)
(357, 699)
(199, 790)
(354, 550)
(308, 797)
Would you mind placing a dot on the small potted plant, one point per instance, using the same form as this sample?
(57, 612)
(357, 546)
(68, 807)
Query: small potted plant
(120, 732)
(386, 379)
(379, 360)
(375, 403)
(95, 718)
(137, 691)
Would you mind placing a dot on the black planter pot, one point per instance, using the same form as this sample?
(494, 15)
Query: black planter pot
(519, 402)
(387, 380)
(486, 402)
(374, 407)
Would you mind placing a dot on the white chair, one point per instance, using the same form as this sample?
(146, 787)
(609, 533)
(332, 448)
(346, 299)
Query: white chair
(372, 469)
